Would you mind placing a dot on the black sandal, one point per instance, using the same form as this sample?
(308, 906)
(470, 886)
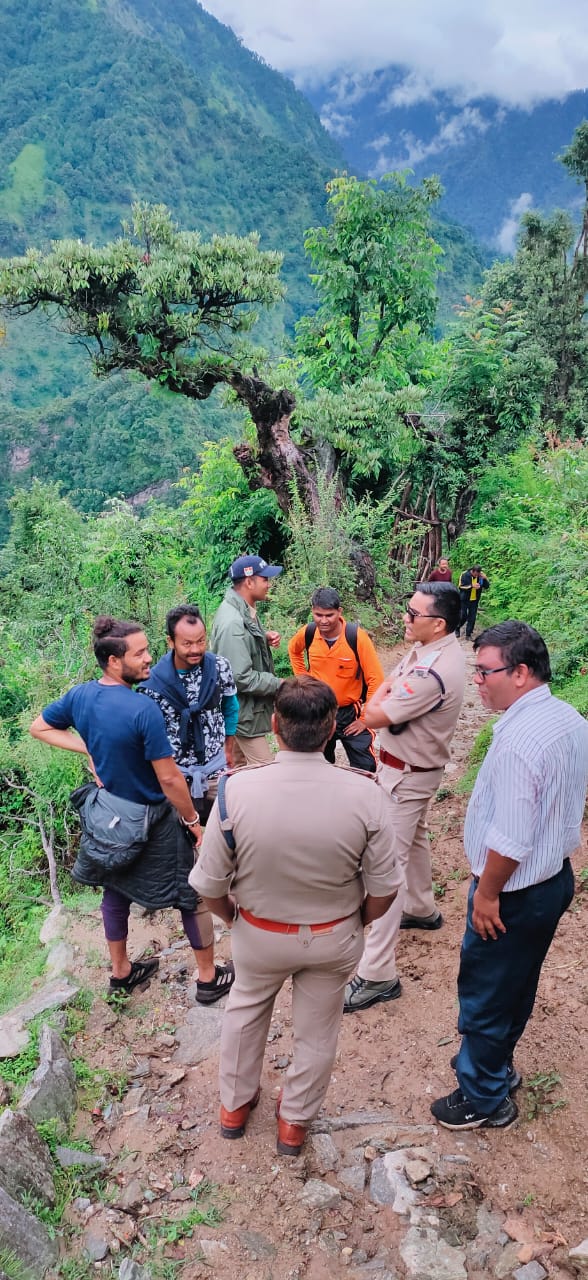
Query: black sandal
(210, 992)
(141, 971)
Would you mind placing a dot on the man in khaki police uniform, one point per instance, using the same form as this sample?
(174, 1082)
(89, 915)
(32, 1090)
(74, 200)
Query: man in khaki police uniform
(313, 861)
(415, 711)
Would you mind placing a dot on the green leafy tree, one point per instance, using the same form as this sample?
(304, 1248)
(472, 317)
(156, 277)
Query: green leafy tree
(176, 309)
(375, 266)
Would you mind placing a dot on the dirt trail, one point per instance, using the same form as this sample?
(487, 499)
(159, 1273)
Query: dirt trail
(394, 1058)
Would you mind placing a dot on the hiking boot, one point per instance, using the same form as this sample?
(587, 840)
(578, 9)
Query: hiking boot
(233, 1123)
(361, 994)
(514, 1079)
(290, 1138)
(140, 974)
(434, 921)
(456, 1112)
(210, 992)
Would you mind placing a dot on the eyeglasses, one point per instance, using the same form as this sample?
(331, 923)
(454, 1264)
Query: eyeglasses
(482, 672)
(415, 613)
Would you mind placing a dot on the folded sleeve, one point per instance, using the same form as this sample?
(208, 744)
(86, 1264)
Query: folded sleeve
(59, 714)
(516, 806)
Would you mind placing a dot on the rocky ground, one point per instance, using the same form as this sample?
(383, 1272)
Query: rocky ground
(379, 1190)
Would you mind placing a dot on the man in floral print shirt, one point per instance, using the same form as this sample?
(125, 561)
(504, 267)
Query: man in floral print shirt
(198, 697)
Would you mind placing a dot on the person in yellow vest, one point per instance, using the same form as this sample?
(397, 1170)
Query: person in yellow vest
(471, 584)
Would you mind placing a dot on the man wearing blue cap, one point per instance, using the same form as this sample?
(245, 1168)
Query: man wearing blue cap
(237, 634)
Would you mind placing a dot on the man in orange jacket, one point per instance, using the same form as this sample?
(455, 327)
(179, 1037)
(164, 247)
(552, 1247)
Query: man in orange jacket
(342, 654)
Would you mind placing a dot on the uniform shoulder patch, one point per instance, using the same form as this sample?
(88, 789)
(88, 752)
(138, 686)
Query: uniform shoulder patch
(424, 664)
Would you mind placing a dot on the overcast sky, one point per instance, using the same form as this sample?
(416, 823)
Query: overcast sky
(517, 51)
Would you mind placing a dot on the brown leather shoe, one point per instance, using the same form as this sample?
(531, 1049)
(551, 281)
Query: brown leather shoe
(290, 1138)
(233, 1123)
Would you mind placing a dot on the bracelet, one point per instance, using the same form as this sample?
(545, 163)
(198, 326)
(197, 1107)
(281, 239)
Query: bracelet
(194, 823)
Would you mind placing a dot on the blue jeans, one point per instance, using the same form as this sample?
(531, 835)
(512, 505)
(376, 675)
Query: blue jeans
(497, 984)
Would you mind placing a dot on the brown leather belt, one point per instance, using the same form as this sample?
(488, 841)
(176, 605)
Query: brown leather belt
(279, 926)
(394, 763)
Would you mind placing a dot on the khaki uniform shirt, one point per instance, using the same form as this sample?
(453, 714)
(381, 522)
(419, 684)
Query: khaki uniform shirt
(311, 841)
(426, 740)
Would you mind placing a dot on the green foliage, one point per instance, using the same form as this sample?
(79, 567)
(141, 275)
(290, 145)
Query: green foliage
(539, 1091)
(158, 300)
(529, 532)
(19, 1070)
(319, 554)
(544, 289)
(476, 757)
(12, 1268)
(220, 519)
(22, 958)
(374, 272)
(170, 1229)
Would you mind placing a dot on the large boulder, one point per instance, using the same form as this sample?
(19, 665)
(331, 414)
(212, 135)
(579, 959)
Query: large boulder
(24, 1236)
(13, 1034)
(51, 1094)
(25, 1161)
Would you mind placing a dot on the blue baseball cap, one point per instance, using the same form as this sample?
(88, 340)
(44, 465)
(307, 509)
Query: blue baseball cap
(249, 566)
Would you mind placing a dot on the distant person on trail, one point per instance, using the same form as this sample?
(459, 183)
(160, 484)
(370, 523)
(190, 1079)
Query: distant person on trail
(139, 825)
(471, 584)
(522, 825)
(239, 636)
(442, 573)
(196, 692)
(342, 654)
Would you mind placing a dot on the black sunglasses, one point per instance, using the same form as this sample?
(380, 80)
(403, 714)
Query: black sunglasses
(415, 613)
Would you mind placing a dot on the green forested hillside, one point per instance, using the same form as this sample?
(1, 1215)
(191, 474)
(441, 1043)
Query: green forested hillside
(103, 102)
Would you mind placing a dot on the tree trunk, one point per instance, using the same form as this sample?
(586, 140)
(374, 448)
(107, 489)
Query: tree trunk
(279, 462)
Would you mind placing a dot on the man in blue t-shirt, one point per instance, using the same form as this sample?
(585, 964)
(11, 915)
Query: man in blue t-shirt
(130, 755)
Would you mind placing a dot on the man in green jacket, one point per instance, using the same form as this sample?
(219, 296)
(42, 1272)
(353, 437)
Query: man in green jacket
(237, 634)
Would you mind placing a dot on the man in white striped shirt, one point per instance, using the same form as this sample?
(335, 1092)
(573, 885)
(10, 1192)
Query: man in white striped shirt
(522, 825)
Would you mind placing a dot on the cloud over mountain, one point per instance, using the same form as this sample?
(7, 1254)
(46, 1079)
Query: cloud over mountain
(519, 53)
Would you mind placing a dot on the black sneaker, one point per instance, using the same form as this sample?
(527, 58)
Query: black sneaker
(361, 994)
(456, 1112)
(514, 1078)
(141, 973)
(434, 921)
(210, 992)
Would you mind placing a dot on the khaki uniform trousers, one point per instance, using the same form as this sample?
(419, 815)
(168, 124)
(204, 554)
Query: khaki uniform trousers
(319, 964)
(251, 751)
(410, 794)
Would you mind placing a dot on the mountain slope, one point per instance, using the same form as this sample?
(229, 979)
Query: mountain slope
(97, 110)
(489, 158)
(106, 101)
